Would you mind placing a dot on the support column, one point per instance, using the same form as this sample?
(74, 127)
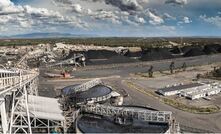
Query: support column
(12, 112)
(27, 109)
(3, 116)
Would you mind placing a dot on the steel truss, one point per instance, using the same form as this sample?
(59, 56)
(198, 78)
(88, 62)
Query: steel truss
(86, 86)
(20, 122)
(144, 115)
(18, 85)
(70, 114)
(71, 61)
(125, 112)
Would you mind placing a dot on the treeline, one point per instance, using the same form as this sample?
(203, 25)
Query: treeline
(113, 42)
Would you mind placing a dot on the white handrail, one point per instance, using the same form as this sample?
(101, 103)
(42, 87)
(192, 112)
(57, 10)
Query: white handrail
(10, 81)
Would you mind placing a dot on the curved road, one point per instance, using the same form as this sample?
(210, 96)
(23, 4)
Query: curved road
(210, 122)
(125, 69)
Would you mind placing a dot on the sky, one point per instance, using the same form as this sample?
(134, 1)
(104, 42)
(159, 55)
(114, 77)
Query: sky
(128, 18)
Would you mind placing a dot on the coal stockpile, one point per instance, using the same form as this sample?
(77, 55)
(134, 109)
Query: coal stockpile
(187, 48)
(102, 57)
(112, 60)
(121, 59)
(133, 54)
(156, 54)
(93, 54)
(215, 46)
(72, 53)
(212, 49)
(99, 57)
(196, 51)
(176, 50)
(219, 50)
(100, 54)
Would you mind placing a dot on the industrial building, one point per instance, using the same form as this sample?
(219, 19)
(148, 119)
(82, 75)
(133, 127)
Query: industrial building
(201, 93)
(192, 91)
(177, 89)
(98, 113)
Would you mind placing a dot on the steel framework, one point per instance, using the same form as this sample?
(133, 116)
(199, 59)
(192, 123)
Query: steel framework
(18, 84)
(144, 115)
(85, 86)
(71, 61)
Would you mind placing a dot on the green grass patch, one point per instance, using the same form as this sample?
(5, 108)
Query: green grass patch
(174, 103)
(140, 89)
(191, 109)
(142, 75)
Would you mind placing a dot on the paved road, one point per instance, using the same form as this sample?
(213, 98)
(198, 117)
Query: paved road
(209, 122)
(125, 69)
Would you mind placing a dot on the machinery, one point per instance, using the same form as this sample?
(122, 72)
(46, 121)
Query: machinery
(91, 102)
(77, 60)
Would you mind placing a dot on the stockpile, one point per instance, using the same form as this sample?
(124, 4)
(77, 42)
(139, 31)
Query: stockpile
(176, 50)
(100, 54)
(193, 51)
(72, 53)
(213, 48)
(201, 50)
(210, 50)
(133, 54)
(97, 57)
(219, 50)
(156, 54)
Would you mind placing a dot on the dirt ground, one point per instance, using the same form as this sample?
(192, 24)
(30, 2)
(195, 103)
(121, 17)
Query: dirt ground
(164, 79)
(211, 122)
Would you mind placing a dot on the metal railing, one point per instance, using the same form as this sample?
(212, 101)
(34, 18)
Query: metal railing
(85, 86)
(144, 115)
(8, 82)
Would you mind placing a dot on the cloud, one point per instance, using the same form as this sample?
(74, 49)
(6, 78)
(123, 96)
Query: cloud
(140, 20)
(215, 20)
(5, 19)
(125, 5)
(128, 12)
(168, 16)
(185, 20)
(7, 7)
(154, 19)
(106, 15)
(176, 2)
(78, 15)
(48, 17)
(20, 17)
(77, 8)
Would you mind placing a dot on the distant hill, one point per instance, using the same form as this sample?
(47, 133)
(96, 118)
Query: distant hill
(47, 35)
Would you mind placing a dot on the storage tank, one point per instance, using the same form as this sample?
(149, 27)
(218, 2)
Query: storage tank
(93, 123)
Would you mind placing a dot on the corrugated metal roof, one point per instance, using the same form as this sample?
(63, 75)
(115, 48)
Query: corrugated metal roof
(45, 108)
(5, 71)
(180, 87)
